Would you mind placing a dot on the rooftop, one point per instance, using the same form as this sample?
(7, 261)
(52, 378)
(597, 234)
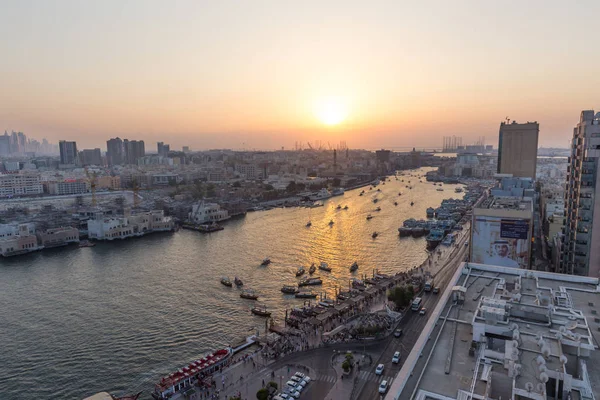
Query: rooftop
(507, 203)
(507, 333)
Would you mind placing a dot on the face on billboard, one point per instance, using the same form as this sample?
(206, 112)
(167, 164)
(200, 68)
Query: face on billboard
(501, 241)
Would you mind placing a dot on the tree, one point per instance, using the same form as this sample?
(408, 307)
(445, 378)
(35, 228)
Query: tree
(211, 190)
(262, 394)
(346, 365)
(273, 385)
(291, 187)
(237, 184)
(268, 187)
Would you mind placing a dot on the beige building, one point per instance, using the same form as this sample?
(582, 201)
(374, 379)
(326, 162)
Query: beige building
(108, 182)
(517, 149)
(59, 236)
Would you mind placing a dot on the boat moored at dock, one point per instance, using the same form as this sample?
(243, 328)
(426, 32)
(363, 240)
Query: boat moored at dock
(189, 375)
(226, 281)
(310, 282)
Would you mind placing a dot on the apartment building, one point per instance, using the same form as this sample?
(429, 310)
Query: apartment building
(12, 185)
(581, 253)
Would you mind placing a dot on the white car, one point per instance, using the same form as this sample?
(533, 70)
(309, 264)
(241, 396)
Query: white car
(383, 387)
(284, 396)
(423, 311)
(293, 393)
(379, 369)
(396, 358)
(296, 379)
(291, 384)
(307, 380)
(300, 375)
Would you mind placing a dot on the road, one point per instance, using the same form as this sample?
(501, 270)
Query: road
(319, 360)
(412, 326)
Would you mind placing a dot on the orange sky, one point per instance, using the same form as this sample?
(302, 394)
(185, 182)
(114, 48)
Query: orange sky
(248, 74)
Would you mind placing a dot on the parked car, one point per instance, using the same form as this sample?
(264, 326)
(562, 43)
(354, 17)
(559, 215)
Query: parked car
(299, 374)
(398, 333)
(379, 369)
(396, 358)
(293, 393)
(307, 380)
(383, 387)
(436, 290)
(423, 311)
(296, 379)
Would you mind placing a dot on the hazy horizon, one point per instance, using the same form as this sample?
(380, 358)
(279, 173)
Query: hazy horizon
(267, 74)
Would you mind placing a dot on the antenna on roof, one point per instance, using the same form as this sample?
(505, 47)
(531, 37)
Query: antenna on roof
(507, 120)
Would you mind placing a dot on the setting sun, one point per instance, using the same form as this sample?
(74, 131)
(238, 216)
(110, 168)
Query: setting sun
(331, 111)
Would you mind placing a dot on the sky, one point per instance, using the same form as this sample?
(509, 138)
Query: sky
(269, 74)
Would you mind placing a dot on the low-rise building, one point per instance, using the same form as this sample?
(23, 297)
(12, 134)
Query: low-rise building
(506, 333)
(104, 228)
(18, 239)
(20, 185)
(68, 187)
(203, 213)
(57, 237)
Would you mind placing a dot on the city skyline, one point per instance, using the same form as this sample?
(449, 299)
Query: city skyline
(270, 74)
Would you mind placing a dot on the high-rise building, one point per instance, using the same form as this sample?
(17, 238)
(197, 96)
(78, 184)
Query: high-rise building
(90, 157)
(186, 149)
(4, 145)
(517, 149)
(68, 152)
(114, 151)
(134, 150)
(581, 254)
(163, 149)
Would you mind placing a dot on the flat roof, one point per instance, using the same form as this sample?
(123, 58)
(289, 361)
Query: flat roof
(506, 203)
(511, 330)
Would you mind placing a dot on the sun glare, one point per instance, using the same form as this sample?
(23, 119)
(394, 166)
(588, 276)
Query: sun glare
(331, 111)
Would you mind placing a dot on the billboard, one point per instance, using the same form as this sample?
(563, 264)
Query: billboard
(504, 242)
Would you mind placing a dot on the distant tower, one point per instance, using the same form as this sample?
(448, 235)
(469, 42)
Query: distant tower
(347, 153)
(334, 157)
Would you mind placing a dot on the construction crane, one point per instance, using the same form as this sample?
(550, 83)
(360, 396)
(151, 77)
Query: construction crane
(92, 177)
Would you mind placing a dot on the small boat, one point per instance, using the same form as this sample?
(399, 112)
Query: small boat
(375, 201)
(312, 269)
(361, 193)
(287, 289)
(248, 294)
(325, 267)
(306, 295)
(458, 190)
(439, 189)
(310, 282)
(345, 207)
(399, 193)
(238, 281)
(300, 271)
(379, 190)
(378, 209)
(412, 203)
(331, 222)
(266, 261)
(369, 217)
(86, 243)
(225, 281)
(327, 303)
(339, 207)
(374, 235)
(354, 266)
(308, 224)
(395, 203)
(261, 311)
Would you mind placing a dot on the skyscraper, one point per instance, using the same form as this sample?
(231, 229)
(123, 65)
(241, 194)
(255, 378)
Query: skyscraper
(134, 149)
(68, 152)
(90, 157)
(163, 149)
(114, 151)
(580, 251)
(517, 149)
